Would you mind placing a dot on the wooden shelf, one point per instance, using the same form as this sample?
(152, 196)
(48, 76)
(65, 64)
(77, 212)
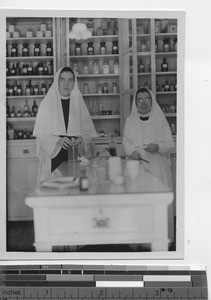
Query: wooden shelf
(166, 73)
(97, 75)
(21, 119)
(25, 96)
(30, 77)
(105, 117)
(101, 95)
(32, 39)
(94, 57)
(166, 93)
(29, 58)
(166, 53)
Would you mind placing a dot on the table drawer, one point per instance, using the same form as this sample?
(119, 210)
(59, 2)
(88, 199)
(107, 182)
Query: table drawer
(24, 151)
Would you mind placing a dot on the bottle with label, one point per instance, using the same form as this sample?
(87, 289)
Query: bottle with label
(105, 68)
(43, 89)
(13, 70)
(7, 69)
(34, 109)
(167, 86)
(83, 181)
(25, 50)
(27, 90)
(75, 68)
(175, 85)
(49, 49)
(29, 70)
(11, 91)
(112, 146)
(36, 90)
(78, 50)
(86, 69)
(45, 70)
(173, 107)
(40, 69)
(14, 50)
(20, 133)
(164, 65)
(171, 44)
(157, 86)
(163, 87)
(105, 88)
(18, 113)
(37, 50)
(114, 87)
(141, 67)
(50, 68)
(100, 89)
(86, 88)
(102, 48)
(15, 87)
(166, 45)
(143, 46)
(173, 128)
(116, 68)
(24, 70)
(96, 69)
(19, 90)
(115, 48)
(26, 109)
(172, 87)
(12, 113)
(90, 49)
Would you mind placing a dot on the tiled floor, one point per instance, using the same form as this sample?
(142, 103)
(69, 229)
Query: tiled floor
(20, 237)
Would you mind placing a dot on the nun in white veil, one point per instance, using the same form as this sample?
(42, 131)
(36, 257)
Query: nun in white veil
(147, 135)
(62, 114)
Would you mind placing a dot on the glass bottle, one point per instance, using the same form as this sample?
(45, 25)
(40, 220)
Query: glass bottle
(50, 68)
(27, 90)
(86, 88)
(172, 107)
(40, 69)
(96, 69)
(112, 146)
(83, 181)
(157, 87)
(24, 70)
(45, 70)
(43, 89)
(7, 69)
(78, 49)
(100, 89)
(12, 113)
(36, 90)
(19, 90)
(15, 87)
(163, 87)
(49, 49)
(7, 89)
(34, 109)
(86, 69)
(14, 50)
(75, 68)
(116, 68)
(172, 87)
(102, 48)
(105, 68)
(143, 46)
(31, 87)
(105, 88)
(13, 70)
(173, 128)
(20, 133)
(10, 91)
(18, 113)
(36, 49)
(25, 50)
(160, 45)
(164, 65)
(29, 70)
(90, 49)
(166, 46)
(115, 48)
(18, 69)
(171, 43)
(26, 109)
(141, 67)
(8, 111)
(114, 87)
(167, 86)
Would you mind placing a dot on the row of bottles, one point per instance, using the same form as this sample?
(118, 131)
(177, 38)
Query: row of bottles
(26, 111)
(27, 90)
(20, 134)
(28, 69)
(166, 87)
(102, 50)
(97, 108)
(96, 68)
(166, 45)
(169, 108)
(143, 68)
(43, 30)
(25, 50)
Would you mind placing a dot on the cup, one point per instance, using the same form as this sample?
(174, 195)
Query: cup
(133, 168)
(114, 167)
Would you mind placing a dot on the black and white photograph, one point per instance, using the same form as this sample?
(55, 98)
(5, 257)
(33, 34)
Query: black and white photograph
(94, 128)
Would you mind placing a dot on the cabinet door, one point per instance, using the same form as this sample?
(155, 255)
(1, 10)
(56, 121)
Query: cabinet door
(16, 189)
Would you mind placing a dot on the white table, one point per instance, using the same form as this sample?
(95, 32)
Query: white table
(132, 213)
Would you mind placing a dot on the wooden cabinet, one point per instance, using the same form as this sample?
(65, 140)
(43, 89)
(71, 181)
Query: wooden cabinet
(21, 179)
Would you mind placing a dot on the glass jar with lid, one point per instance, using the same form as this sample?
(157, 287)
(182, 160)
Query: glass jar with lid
(96, 69)
(90, 49)
(43, 89)
(49, 49)
(99, 88)
(36, 90)
(14, 50)
(141, 67)
(86, 69)
(105, 88)
(164, 65)
(114, 87)
(102, 48)
(115, 47)
(25, 50)
(86, 88)
(116, 67)
(78, 50)
(166, 45)
(40, 69)
(105, 68)
(37, 50)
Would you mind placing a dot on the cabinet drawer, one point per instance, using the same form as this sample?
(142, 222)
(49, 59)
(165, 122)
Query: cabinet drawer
(27, 151)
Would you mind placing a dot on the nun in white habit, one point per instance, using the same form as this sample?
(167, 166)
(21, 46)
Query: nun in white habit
(147, 135)
(62, 114)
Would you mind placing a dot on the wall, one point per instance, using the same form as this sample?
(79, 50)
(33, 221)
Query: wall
(197, 109)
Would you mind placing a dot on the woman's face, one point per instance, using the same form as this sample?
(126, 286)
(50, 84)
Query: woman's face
(66, 83)
(143, 102)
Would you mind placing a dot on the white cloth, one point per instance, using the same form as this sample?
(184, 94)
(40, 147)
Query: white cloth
(156, 130)
(49, 125)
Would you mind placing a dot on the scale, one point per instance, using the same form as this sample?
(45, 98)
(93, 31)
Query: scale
(102, 282)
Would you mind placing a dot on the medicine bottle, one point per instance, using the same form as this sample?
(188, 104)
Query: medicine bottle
(86, 69)
(36, 90)
(157, 86)
(100, 88)
(25, 50)
(13, 70)
(19, 90)
(37, 50)
(105, 87)
(75, 68)
(49, 49)
(34, 109)
(105, 68)
(78, 49)
(96, 69)
(29, 70)
(8, 111)
(143, 46)
(141, 67)
(114, 87)
(27, 90)
(116, 68)
(40, 69)
(115, 48)
(14, 50)
(164, 66)
(12, 113)
(10, 91)
(90, 49)
(102, 48)
(83, 181)
(43, 89)
(86, 88)
(167, 86)
(166, 46)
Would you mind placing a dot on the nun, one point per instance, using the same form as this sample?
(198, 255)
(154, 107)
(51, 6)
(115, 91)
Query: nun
(62, 115)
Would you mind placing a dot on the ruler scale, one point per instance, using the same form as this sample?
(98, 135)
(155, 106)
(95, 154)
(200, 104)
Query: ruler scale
(77, 282)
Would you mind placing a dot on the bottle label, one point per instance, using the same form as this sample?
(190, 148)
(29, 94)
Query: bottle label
(25, 50)
(13, 50)
(36, 49)
(114, 47)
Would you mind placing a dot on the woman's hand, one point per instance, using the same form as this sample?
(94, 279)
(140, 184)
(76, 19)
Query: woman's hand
(136, 155)
(64, 142)
(80, 142)
(152, 148)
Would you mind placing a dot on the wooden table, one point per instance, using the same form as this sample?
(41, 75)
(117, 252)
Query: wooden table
(132, 213)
